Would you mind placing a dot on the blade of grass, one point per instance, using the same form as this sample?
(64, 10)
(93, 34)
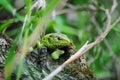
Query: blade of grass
(22, 54)
(9, 63)
(20, 66)
(6, 24)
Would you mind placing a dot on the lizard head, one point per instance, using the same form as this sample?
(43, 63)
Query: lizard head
(55, 40)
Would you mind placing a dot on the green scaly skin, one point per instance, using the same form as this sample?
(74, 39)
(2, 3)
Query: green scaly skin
(55, 41)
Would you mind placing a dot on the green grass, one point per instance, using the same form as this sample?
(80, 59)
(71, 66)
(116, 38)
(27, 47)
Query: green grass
(79, 30)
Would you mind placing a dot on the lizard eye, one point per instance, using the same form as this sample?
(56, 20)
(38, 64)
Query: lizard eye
(52, 36)
(59, 38)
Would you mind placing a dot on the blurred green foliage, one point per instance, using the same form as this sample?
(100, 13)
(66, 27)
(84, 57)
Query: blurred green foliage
(78, 26)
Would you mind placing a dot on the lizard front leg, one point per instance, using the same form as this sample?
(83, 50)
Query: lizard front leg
(56, 54)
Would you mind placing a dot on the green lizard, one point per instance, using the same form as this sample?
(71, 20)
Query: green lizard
(55, 41)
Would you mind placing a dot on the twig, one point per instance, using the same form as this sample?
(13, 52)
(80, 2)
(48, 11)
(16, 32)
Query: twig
(118, 20)
(77, 54)
(114, 6)
(105, 40)
(75, 8)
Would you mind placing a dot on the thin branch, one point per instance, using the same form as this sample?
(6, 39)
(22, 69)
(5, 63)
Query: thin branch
(112, 54)
(116, 22)
(77, 54)
(77, 8)
(114, 5)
